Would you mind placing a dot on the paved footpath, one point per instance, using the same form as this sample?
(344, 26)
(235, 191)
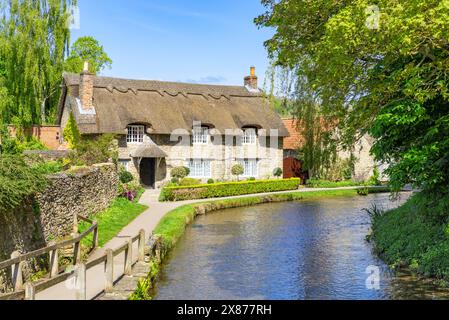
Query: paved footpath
(147, 221)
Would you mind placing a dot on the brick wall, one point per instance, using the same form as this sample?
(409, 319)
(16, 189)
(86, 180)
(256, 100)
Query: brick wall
(48, 135)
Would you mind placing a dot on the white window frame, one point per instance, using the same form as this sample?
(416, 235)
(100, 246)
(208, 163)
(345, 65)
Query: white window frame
(124, 163)
(200, 168)
(136, 134)
(249, 136)
(250, 165)
(201, 135)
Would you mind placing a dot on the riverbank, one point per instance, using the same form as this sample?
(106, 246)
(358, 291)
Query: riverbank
(173, 225)
(415, 236)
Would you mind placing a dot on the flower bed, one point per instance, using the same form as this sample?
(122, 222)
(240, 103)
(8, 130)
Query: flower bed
(228, 189)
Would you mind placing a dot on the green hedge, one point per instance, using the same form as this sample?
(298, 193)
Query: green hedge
(228, 189)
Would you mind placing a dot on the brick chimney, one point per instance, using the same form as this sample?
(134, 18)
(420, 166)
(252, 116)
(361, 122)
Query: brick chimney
(251, 80)
(86, 88)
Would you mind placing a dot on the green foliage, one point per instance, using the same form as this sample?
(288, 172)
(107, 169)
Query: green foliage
(112, 220)
(278, 172)
(227, 189)
(375, 179)
(180, 172)
(210, 181)
(410, 235)
(18, 181)
(388, 79)
(315, 183)
(237, 170)
(34, 37)
(189, 182)
(125, 176)
(71, 132)
(94, 150)
(87, 49)
(49, 167)
(10, 145)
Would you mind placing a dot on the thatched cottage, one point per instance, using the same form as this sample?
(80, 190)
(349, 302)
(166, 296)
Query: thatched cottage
(163, 125)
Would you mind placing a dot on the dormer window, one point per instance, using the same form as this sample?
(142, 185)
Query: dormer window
(135, 134)
(249, 136)
(201, 135)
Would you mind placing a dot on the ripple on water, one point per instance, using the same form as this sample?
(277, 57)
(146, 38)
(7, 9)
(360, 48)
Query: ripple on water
(288, 251)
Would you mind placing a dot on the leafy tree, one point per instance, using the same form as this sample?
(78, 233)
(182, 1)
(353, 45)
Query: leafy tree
(381, 70)
(34, 40)
(278, 172)
(237, 170)
(87, 49)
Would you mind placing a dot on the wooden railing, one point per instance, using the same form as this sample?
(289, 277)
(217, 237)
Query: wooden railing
(17, 261)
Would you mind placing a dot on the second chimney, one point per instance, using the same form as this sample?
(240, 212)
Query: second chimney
(86, 88)
(251, 80)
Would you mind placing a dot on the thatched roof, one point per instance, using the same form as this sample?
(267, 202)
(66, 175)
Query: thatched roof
(167, 106)
(148, 151)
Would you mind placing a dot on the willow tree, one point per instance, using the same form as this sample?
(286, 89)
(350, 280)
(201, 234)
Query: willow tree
(36, 38)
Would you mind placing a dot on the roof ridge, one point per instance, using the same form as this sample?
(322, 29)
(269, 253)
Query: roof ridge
(178, 83)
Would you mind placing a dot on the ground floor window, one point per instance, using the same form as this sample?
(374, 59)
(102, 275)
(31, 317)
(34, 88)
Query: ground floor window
(124, 164)
(200, 168)
(250, 167)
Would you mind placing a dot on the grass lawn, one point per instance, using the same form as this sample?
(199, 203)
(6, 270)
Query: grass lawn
(112, 220)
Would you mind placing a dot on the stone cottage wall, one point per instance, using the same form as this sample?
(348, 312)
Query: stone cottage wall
(268, 151)
(51, 215)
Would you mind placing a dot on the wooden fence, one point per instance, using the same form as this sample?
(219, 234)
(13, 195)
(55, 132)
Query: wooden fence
(29, 290)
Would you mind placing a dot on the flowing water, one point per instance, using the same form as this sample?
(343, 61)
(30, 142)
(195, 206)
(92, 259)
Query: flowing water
(312, 249)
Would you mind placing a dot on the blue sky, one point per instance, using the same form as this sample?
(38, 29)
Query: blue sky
(204, 41)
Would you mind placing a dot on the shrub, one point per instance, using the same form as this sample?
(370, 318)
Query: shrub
(180, 172)
(18, 181)
(237, 170)
(411, 236)
(314, 183)
(227, 189)
(71, 132)
(252, 179)
(49, 167)
(278, 172)
(375, 179)
(210, 181)
(93, 150)
(125, 176)
(189, 182)
(130, 190)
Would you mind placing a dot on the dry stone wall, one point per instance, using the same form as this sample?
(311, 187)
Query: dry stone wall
(51, 214)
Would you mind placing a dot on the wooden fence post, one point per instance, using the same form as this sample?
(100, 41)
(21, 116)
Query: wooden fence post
(95, 239)
(17, 272)
(30, 291)
(54, 262)
(141, 257)
(109, 272)
(81, 293)
(77, 253)
(129, 258)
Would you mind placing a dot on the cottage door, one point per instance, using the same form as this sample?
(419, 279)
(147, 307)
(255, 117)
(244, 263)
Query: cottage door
(148, 172)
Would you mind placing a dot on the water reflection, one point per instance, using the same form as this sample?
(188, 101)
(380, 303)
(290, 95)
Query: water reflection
(304, 250)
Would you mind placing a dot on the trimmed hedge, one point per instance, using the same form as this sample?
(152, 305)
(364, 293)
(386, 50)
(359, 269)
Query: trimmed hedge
(228, 189)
